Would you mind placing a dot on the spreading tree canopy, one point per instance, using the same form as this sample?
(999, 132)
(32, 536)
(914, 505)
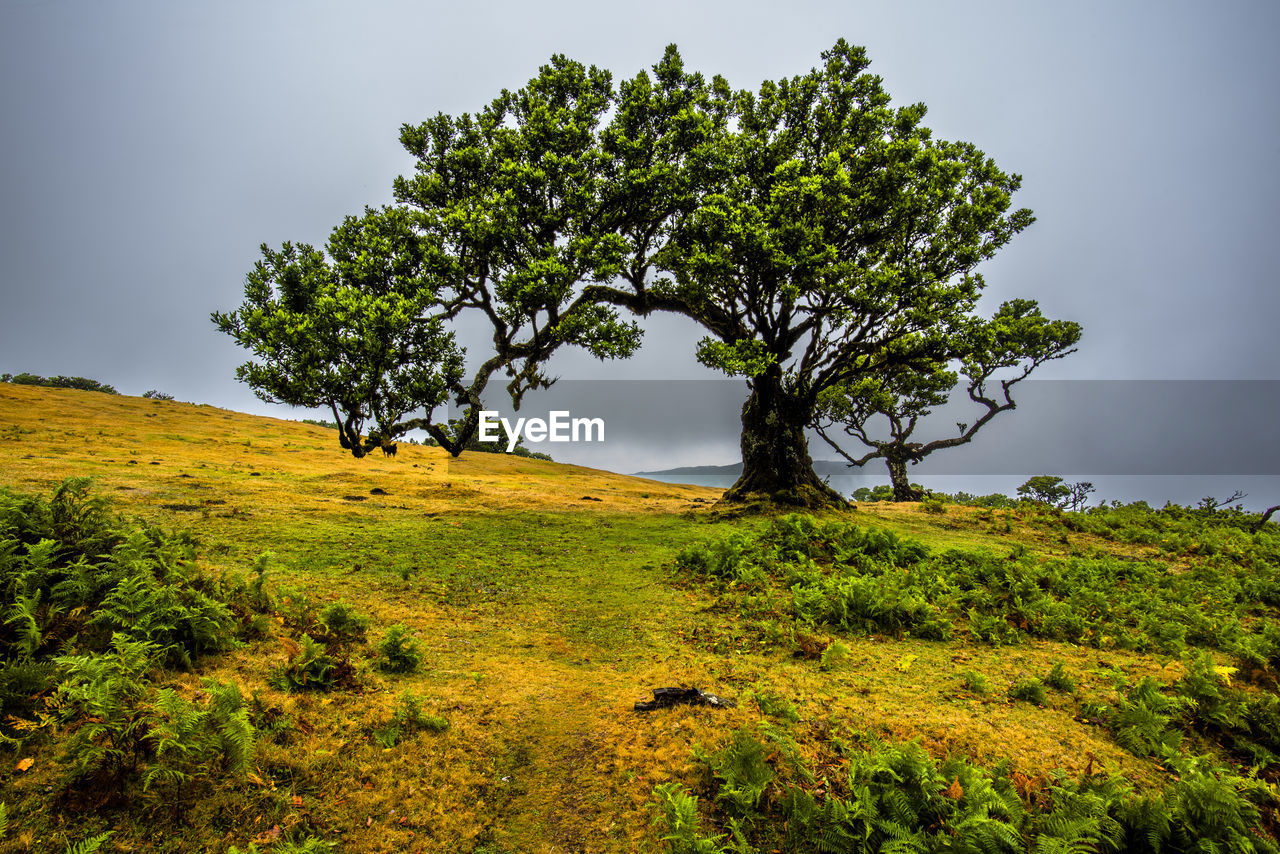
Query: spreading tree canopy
(820, 236)
(832, 239)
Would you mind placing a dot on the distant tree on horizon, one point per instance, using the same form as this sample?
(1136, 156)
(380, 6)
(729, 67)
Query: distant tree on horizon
(80, 383)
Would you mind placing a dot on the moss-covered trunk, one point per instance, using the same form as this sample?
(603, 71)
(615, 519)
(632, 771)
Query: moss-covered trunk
(776, 465)
(902, 488)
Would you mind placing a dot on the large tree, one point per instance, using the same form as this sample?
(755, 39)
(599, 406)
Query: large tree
(818, 234)
(510, 199)
(831, 238)
(994, 357)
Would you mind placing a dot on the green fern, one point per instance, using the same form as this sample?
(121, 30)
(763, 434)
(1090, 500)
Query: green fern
(1141, 720)
(305, 845)
(342, 625)
(678, 810)
(1059, 679)
(398, 652)
(26, 622)
(1207, 807)
(310, 669)
(90, 845)
(102, 699)
(190, 743)
(742, 773)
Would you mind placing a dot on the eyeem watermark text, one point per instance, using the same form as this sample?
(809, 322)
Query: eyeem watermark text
(559, 426)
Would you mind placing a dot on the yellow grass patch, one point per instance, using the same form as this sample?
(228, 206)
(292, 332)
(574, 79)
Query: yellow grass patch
(542, 618)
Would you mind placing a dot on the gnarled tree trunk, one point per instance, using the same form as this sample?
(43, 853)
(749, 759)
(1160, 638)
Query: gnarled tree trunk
(776, 465)
(902, 488)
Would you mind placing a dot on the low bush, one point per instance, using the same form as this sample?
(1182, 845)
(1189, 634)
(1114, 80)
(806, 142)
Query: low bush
(1059, 679)
(777, 707)
(866, 580)
(835, 656)
(78, 581)
(1028, 690)
(123, 730)
(973, 681)
(398, 652)
(406, 720)
(342, 626)
(80, 383)
(311, 667)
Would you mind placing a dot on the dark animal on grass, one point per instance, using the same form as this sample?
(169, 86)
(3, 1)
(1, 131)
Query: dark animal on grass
(389, 450)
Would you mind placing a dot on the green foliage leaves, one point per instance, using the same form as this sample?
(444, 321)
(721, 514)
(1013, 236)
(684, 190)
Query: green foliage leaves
(860, 580)
(92, 609)
(309, 668)
(1000, 352)
(191, 742)
(747, 358)
(321, 660)
(91, 845)
(821, 180)
(1017, 336)
(407, 720)
(357, 330)
(861, 593)
(1046, 489)
(678, 811)
(104, 694)
(81, 383)
(1028, 690)
(742, 774)
(1098, 601)
(342, 625)
(122, 726)
(1059, 679)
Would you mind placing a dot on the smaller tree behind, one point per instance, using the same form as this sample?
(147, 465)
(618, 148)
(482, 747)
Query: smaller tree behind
(1015, 341)
(1054, 491)
(1079, 494)
(1046, 489)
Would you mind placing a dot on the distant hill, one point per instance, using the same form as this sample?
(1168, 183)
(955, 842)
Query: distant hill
(819, 467)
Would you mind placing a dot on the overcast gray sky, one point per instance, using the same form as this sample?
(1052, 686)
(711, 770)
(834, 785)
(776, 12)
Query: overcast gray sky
(148, 148)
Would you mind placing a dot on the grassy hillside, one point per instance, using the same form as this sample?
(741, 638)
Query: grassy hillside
(542, 617)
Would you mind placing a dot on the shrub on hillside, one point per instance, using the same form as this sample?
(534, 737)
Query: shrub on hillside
(77, 581)
(123, 729)
(70, 570)
(856, 579)
(81, 383)
(398, 652)
(762, 796)
(311, 667)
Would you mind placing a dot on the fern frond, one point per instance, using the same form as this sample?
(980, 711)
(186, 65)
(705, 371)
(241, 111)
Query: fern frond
(90, 845)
